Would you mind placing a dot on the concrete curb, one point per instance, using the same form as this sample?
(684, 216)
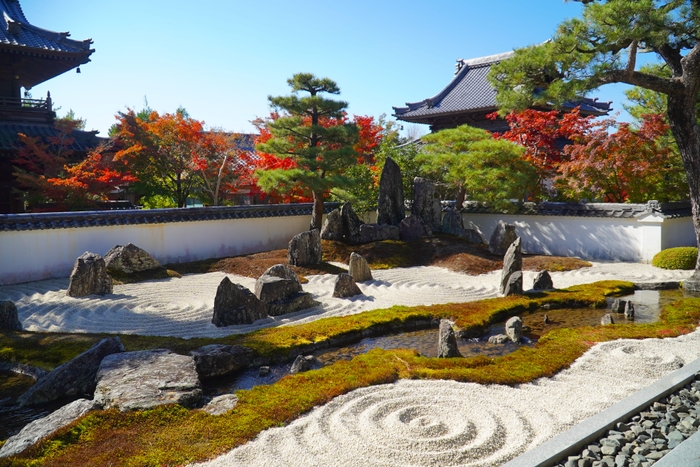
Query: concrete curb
(686, 454)
(576, 438)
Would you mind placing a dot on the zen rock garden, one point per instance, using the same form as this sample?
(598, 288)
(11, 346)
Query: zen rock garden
(108, 377)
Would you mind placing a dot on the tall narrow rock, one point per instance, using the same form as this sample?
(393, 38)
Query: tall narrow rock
(447, 342)
(333, 226)
(512, 262)
(351, 223)
(305, 249)
(503, 236)
(426, 203)
(89, 276)
(514, 329)
(390, 206)
(358, 268)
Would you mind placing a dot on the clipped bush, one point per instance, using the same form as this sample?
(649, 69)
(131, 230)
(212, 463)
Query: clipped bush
(683, 257)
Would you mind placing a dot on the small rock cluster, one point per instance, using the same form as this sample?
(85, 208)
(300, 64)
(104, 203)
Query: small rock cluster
(278, 291)
(648, 436)
(514, 332)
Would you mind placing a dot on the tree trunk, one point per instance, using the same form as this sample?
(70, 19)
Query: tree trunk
(461, 195)
(317, 213)
(684, 126)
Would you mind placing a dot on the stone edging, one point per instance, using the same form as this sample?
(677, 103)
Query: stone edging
(576, 438)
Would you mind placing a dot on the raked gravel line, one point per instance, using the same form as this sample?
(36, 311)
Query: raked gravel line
(183, 307)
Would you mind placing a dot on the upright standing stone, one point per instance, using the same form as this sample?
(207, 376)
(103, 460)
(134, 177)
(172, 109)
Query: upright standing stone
(447, 342)
(543, 281)
(351, 223)
(89, 276)
(305, 249)
(503, 236)
(9, 318)
(390, 206)
(512, 262)
(629, 310)
(514, 286)
(426, 203)
(235, 304)
(333, 226)
(514, 329)
(607, 320)
(359, 269)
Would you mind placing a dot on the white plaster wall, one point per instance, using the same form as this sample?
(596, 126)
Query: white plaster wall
(42, 254)
(584, 237)
(678, 232)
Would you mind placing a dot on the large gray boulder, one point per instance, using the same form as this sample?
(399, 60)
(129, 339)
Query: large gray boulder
(281, 292)
(447, 342)
(333, 226)
(220, 360)
(514, 329)
(73, 378)
(503, 236)
(414, 227)
(512, 262)
(426, 203)
(89, 276)
(9, 318)
(43, 427)
(390, 205)
(147, 378)
(378, 232)
(305, 249)
(358, 268)
(345, 286)
(235, 304)
(129, 259)
(351, 223)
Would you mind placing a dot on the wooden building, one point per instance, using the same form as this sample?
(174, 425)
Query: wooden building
(30, 55)
(469, 97)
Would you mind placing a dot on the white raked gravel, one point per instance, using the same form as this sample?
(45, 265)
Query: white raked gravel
(416, 423)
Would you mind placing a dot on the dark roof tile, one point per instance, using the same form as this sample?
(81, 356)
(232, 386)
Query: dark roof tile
(60, 220)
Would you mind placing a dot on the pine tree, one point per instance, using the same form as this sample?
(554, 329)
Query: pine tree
(311, 131)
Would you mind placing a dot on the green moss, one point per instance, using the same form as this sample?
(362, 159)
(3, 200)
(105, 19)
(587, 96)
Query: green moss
(172, 435)
(676, 258)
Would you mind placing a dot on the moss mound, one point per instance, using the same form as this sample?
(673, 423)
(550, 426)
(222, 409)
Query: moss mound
(676, 258)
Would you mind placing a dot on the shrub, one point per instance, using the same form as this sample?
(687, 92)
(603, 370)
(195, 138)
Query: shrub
(676, 258)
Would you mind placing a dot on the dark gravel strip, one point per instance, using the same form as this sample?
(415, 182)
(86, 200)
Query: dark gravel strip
(648, 435)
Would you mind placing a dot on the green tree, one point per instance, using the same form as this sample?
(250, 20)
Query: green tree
(307, 133)
(602, 47)
(478, 166)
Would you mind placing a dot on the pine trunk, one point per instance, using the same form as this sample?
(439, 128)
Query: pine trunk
(317, 214)
(682, 119)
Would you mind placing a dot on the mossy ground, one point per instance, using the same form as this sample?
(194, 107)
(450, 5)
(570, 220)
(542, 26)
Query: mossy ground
(172, 435)
(676, 258)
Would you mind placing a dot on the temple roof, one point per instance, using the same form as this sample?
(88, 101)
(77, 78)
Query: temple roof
(470, 92)
(83, 141)
(16, 30)
(50, 53)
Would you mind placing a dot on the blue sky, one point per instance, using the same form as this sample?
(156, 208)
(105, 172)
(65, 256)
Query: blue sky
(221, 59)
